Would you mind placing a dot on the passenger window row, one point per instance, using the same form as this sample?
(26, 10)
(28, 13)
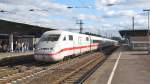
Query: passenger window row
(71, 38)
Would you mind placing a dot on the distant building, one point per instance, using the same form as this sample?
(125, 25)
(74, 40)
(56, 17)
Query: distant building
(137, 39)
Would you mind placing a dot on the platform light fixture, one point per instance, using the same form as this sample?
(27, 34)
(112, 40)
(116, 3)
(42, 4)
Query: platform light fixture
(38, 10)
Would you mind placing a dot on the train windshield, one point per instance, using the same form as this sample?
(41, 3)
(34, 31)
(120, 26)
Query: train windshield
(51, 37)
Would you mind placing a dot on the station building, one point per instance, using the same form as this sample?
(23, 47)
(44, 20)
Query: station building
(136, 39)
(11, 32)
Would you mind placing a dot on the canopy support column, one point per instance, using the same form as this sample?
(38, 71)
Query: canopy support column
(11, 47)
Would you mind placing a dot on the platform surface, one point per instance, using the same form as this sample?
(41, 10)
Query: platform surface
(133, 67)
(14, 54)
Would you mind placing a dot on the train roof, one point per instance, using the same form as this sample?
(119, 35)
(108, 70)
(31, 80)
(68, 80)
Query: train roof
(62, 31)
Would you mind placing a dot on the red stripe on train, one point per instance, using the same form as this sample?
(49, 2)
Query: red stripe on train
(72, 48)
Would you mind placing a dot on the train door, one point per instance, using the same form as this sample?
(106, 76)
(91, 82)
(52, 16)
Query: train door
(75, 44)
(90, 44)
(80, 44)
(71, 43)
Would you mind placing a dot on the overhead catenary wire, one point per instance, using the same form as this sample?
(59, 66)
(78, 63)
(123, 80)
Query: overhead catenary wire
(90, 7)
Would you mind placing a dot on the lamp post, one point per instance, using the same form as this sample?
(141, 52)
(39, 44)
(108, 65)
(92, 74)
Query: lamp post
(3, 11)
(132, 22)
(38, 10)
(148, 11)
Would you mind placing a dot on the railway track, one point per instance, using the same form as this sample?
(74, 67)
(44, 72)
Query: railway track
(59, 74)
(78, 73)
(68, 71)
(11, 67)
(79, 76)
(22, 72)
(8, 71)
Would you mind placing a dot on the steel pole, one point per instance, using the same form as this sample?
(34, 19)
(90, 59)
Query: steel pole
(133, 23)
(148, 32)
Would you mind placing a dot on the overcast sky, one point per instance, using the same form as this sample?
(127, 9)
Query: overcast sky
(99, 16)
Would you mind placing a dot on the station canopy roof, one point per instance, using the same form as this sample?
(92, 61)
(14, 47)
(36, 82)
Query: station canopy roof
(129, 33)
(20, 29)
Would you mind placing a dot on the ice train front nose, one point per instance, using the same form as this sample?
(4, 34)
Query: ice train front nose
(46, 47)
(47, 55)
(42, 53)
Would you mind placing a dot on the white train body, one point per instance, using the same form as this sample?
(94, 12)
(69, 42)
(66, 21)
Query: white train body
(57, 44)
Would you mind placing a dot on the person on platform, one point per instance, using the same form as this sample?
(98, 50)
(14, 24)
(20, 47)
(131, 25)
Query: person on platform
(18, 46)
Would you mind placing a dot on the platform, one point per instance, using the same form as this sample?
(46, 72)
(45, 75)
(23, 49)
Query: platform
(14, 54)
(133, 67)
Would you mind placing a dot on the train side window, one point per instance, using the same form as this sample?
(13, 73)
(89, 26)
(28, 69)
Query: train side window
(70, 37)
(96, 41)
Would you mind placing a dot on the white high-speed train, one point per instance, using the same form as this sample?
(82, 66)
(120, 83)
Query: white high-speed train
(56, 44)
